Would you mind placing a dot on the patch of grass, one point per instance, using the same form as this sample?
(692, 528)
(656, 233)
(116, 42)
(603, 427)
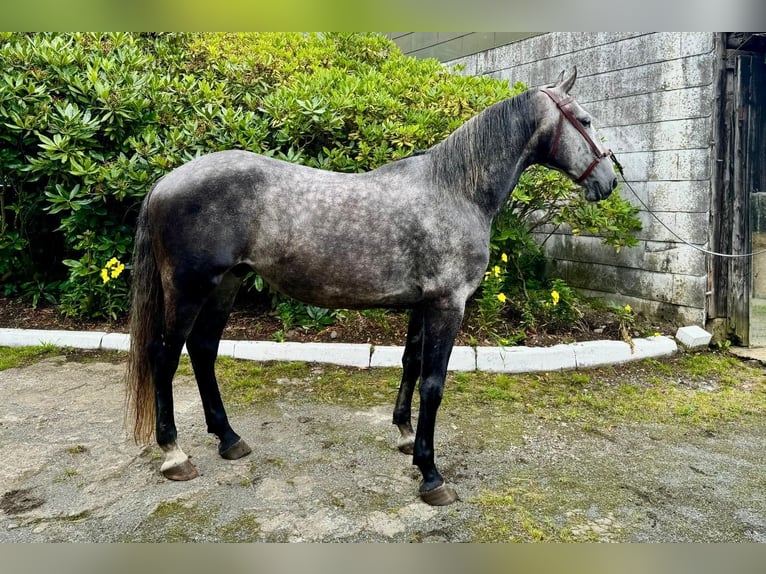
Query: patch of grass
(699, 389)
(356, 387)
(244, 382)
(662, 391)
(564, 506)
(12, 357)
(519, 514)
(668, 391)
(244, 528)
(708, 364)
(177, 521)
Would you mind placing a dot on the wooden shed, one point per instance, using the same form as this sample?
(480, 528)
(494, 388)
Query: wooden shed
(684, 111)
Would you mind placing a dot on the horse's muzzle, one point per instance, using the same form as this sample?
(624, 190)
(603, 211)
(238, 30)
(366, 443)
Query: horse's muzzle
(598, 191)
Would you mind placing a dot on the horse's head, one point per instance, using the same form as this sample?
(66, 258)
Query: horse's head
(570, 144)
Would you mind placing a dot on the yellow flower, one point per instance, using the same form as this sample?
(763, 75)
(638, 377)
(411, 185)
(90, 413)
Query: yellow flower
(496, 270)
(112, 269)
(501, 297)
(628, 309)
(116, 270)
(504, 258)
(555, 296)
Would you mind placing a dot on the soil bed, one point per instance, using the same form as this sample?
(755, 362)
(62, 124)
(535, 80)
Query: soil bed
(254, 321)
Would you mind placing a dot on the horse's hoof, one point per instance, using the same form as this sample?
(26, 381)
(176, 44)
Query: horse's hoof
(237, 450)
(406, 445)
(442, 495)
(183, 471)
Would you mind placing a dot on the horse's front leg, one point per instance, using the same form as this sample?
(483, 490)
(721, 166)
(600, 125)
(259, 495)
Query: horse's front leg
(412, 364)
(440, 326)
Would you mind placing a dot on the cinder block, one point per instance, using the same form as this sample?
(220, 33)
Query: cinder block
(693, 337)
(349, 354)
(34, 337)
(525, 359)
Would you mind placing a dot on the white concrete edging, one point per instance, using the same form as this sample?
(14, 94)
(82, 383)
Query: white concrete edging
(491, 359)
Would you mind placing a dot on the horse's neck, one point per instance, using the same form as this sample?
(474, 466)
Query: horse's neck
(485, 157)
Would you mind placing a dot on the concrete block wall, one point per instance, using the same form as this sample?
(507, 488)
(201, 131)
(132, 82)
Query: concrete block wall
(652, 96)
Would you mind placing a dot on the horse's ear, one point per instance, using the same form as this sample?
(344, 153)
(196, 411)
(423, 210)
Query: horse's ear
(567, 84)
(558, 80)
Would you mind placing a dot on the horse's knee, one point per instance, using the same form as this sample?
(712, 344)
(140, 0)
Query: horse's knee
(431, 390)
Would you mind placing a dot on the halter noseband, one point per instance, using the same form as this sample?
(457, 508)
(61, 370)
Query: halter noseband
(566, 113)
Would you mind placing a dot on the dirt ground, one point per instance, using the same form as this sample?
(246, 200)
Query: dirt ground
(323, 472)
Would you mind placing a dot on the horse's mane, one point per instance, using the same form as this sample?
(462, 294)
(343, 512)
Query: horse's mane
(501, 131)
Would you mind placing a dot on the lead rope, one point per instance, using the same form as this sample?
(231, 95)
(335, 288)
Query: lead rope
(681, 239)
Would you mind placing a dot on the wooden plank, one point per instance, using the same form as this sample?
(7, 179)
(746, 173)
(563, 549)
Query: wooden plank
(755, 182)
(740, 271)
(720, 214)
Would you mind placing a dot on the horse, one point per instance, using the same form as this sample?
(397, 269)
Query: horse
(412, 234)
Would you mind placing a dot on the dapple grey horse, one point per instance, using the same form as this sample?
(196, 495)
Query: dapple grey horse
(411, 234)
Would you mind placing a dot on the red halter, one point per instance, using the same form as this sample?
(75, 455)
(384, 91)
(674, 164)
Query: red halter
(566, 113)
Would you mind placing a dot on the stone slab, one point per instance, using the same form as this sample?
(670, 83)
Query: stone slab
(525, 359)
(35, 337)
(693, 337)
(116, 342)
(350, 354)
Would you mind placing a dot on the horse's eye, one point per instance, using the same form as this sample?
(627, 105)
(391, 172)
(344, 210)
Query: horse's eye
(585, 122)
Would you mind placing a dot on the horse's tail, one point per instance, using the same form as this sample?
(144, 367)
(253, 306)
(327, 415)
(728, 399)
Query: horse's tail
(146, 320)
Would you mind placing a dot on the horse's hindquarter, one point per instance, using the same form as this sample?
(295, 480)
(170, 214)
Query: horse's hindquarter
(383, 238)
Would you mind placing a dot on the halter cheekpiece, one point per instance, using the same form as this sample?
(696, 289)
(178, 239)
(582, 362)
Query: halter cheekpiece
(566, 113)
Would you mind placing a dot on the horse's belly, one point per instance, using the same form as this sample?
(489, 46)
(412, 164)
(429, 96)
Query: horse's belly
(341, 291)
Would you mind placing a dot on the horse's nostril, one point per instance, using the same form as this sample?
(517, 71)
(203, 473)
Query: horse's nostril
(614, 184)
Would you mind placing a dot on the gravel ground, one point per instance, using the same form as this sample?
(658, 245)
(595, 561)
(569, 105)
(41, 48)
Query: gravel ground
(331, 473)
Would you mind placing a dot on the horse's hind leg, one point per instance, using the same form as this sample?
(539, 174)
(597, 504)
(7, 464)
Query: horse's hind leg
(202, 345)
(412, 363)
(165, 355)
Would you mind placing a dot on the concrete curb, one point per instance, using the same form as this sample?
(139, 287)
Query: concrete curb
(490, 359)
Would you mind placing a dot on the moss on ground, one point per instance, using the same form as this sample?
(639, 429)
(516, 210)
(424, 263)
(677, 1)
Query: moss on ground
(12, 357)
(185, 521)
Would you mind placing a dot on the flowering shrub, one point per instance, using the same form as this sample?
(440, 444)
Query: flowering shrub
(93, 291)
(89, 121)
(491, 301)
